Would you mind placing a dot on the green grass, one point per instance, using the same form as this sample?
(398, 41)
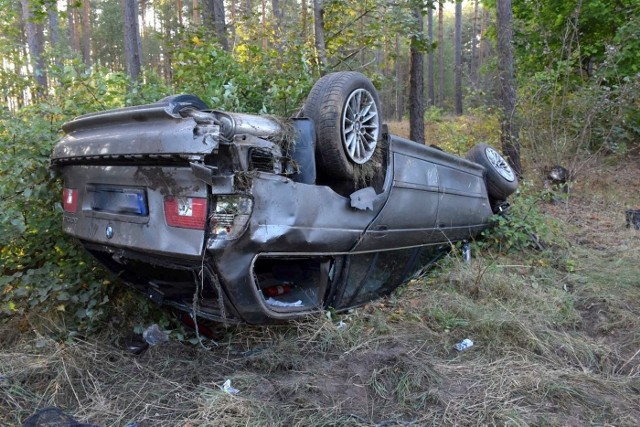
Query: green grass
(556, 333)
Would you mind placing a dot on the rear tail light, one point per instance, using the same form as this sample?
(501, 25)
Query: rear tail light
(70, 200)
(231, 216)
(186, 212)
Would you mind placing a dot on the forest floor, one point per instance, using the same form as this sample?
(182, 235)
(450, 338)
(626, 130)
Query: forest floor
(556, 333)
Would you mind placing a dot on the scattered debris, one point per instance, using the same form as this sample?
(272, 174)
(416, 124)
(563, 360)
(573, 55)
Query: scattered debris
(558, 182)
(341, 325)
(558, 175)
(52, 417)
(135, 344)
(466, 251)
(633, 218)
(463, 345)
(278, 303)
(226, 387)
(154, 336)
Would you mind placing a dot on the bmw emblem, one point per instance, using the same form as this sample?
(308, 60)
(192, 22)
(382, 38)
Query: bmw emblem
(109, 232)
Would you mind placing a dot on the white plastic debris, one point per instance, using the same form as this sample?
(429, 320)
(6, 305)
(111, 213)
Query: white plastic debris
(154, 336)
(464, 345)
(278, 303)
(226, 387)
(341, 325)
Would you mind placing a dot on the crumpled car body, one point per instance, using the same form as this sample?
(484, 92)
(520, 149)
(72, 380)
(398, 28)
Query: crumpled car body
(226, 215)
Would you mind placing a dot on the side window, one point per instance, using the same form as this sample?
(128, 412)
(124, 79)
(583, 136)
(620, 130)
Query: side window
(372, 275)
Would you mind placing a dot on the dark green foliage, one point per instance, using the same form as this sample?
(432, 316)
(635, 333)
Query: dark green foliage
(45, 271)
(577, 31)
(523, 226)
(577, 63)
(251, 80)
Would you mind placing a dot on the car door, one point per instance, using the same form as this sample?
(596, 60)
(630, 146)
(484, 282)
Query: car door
(409, 215)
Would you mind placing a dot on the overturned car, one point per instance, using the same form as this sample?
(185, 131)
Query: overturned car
(246, 218)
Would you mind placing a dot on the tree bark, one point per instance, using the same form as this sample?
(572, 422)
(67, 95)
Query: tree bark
(416, 82)
(441, 53)
(247, 8)
(277, 24)
(72, 26)
(399, 82)
(132, 47)
(485, 52)
(318, 25)
(215, 19)
(35, 40)
(458, 59)
(143, 14)
(473, 64)
(430, 69)
(507, 90)
(265, 40)
(54, 32)
(303, 20)
(86, 33)
(166, 52)
(195, 15)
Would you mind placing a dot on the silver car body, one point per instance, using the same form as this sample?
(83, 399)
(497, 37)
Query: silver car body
(275, 244)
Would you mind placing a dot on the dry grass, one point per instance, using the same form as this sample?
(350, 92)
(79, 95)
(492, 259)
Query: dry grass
(557, 342)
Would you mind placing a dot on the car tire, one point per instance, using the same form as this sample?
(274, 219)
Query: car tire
(345, 109)
(178, 103)
(500, 177)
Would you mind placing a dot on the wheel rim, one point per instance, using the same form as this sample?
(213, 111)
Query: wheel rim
(360, 126)
(500, 165)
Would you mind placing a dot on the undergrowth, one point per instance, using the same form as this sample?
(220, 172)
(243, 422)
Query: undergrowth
(555, 335)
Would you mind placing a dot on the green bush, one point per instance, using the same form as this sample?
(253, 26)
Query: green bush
(523, 226)
(45, 271)
(244, 80)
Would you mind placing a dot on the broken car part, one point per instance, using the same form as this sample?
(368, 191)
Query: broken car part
(246, 218)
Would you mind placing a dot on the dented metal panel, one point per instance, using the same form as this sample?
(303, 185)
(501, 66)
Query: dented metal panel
(265, 221)
(147, 132)
(147, 233)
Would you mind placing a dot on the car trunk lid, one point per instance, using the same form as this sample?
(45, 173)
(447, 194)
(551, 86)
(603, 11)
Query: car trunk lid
(134, 134)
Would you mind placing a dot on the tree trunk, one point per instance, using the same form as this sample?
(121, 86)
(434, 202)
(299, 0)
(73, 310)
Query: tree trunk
(247, 9)
(195, 15)
(507, 94)
(416, 83)
(132, 46)
(215, 19)
(458, 59)
(303, 21)
(399, 83)
(220, 22)
(441, 53)
(473, 64)
(265, 41)
(485, 53)
(318, 25)
(86, 33)
(277, 24)
(54, 32)
(35, 40)
(143, 15)
(166, 53)
(72, 26)
(232, 24)
(430, 70)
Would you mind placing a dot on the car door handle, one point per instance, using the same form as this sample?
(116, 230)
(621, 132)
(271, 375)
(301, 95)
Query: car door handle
(380, 231)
